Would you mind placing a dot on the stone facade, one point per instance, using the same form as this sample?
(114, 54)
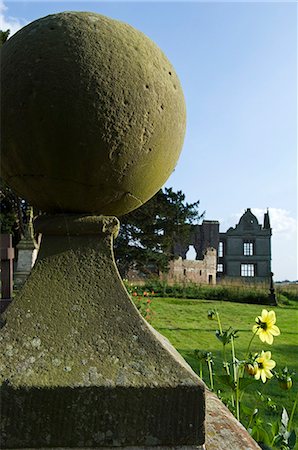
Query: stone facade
(198, 271)
(245, 251)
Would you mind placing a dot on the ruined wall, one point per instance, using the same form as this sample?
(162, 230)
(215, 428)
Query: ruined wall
(205, 236)
(198, 271)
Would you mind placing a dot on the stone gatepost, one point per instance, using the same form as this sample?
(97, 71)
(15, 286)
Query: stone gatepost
(27, 252)
(7, 257)
(100, 129)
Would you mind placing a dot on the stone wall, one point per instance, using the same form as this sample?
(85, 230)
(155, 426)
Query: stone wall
(199, 271)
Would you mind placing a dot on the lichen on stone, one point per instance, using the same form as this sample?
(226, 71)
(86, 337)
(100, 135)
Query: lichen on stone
(122, 148)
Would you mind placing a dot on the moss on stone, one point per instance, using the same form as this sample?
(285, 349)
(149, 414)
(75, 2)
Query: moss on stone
(73, 323)
(76, 355)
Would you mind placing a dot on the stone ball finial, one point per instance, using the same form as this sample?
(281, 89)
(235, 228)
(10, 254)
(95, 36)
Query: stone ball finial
(93, 115)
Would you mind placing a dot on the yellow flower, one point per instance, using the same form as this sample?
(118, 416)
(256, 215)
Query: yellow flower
(265, 327)
(265, 364)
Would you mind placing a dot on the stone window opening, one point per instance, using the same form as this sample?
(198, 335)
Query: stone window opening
(248, 248)
(191, 253)
(220, 249)
(220, 268)
(247, 270)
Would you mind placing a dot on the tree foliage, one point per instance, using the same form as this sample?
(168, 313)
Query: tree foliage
(13, 212)
(148, 234)
(4, 36)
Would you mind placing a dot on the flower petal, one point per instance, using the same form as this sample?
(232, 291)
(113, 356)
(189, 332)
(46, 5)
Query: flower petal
(268, 374)
(255, 328)
(270, 364)
(263, 376)
(269, 338)
(271, 316)
(274, 330)
(262, 335)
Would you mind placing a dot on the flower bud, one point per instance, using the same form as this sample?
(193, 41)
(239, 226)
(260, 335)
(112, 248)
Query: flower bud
(285, 384)
(211, 314)
(251, 369)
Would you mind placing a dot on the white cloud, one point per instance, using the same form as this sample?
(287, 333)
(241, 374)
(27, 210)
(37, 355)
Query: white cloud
(284, 243)
(280, 219)
(9, 23)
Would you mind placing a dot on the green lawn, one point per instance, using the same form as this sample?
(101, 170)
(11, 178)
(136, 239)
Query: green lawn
(185, 324)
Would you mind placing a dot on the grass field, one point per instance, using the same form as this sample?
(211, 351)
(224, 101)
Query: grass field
(185, 324)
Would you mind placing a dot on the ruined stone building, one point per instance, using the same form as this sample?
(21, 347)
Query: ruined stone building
(242, 252)
(204, 239)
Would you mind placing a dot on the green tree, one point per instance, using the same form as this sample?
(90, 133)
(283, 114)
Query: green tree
(4, 36)
(148, 235)
(13, 213)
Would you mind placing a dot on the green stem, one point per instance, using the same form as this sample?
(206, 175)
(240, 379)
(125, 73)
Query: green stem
(210, 375)
(234, 360)
(248, 348)
(218, 321)
(226, 365)
(292, 413)
(201, 370)
(227, 369)
(233, 399)
(250, 420)
(237, 403)
(241, 395)
(236, 380)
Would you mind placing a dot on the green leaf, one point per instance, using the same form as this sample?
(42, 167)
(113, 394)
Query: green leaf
(245, 382)
(226, 336)
(246, 410)
(274, 428)
(292, 439)
(255, 433)
(278, 441)
(264, 436)
(227, 380)
(265, 447)
(259, 421)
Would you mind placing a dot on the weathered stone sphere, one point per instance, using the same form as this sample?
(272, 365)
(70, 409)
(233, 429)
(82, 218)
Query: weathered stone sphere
(93, 115)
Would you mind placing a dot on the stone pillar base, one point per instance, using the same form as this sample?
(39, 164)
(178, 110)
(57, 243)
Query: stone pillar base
(80, 367)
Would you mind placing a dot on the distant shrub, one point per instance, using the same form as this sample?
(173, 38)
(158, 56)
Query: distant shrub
(290, 291)
(283, 300)
(237, 293)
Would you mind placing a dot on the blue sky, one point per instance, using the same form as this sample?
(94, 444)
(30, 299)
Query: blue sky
(237, 63)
